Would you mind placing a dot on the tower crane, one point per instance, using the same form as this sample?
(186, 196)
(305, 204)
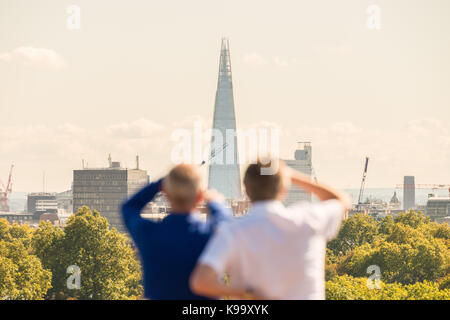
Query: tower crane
(5, 191)
(432, 186)
(314, 175)
(363, 183)
(215, 152)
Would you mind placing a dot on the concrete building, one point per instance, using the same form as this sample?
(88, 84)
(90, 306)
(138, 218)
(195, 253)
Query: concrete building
(40, 203)
(409, 193)
(302, 162)
(104, 189)
(65, 201)
(438, 208)
(50, 217)
(224, 174)
(17, 217)
(63, 217)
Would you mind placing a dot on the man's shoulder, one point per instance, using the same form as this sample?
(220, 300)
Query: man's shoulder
(313, 207)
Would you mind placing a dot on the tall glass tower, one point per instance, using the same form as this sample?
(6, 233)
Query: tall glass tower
(224, 174)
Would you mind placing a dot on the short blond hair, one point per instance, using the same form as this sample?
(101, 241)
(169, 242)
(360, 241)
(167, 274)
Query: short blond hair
(183, 184)
(260, 186)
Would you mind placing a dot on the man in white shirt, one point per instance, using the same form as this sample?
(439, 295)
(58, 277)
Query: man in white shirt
(274, 252)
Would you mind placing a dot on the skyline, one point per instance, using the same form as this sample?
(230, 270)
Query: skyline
(316, 74)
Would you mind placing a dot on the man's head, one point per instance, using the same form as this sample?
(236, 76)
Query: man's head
(264, 184)
(183, 187)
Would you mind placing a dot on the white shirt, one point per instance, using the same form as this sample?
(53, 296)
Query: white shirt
(276, 251)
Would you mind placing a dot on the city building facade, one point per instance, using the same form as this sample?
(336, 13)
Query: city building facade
(17, 217)
(40, 203)
(65, 201)
(409, 193)
(438, 207)
(104, 189)
(302, 162)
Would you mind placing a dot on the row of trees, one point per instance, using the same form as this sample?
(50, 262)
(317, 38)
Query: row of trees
(350, 288)
(34, 263)
(411, 254)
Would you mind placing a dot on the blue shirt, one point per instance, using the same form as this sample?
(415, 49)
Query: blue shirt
(169, 249)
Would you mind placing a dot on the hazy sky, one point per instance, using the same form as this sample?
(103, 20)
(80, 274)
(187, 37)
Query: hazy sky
(137, 70)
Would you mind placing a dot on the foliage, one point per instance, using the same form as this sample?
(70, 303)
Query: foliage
(444, 283)
(412, 218)
(408, 249)
(355, 231)
(350, 288)
(47, 243)
(412, 252)
(109, 268)
(21, 273)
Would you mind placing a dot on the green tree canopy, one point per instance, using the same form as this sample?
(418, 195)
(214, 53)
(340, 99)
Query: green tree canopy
(22, 276)
(355, 231)
(407, 249)
(108, 265)
(350, 288)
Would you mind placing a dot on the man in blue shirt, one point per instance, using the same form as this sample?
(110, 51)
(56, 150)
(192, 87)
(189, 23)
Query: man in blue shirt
(169, 249)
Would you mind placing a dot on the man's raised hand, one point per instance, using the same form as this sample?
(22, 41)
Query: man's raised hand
(213, 196)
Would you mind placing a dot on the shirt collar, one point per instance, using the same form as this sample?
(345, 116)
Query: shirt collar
(265, 206)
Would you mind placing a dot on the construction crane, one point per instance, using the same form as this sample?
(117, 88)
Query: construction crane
(433, 187)
(215, 152)
(313, 173)
(363, 182)
(5, 192)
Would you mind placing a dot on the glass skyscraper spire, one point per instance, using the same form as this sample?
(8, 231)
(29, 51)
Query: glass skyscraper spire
(224, 174)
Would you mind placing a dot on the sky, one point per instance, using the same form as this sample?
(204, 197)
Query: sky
(137, 71)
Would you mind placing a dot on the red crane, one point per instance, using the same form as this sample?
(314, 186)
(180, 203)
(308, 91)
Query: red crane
(4, 193)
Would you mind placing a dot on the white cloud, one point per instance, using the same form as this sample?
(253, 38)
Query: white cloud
(333, 49)
(41, 57)
(255, 59)
(138, 129)
(420, 148)
(280, 62)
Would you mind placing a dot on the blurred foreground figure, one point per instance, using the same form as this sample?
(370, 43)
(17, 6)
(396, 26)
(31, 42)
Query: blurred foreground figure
(274, 252)
(169, 249)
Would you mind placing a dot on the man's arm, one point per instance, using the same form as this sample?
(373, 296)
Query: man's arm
(205, 281)
(215, 202)
(322, 191)
(131, 209)
(218, 254)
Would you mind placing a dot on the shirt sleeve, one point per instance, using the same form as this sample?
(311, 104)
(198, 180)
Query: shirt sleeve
(323, 217)
(218, 213)
(220, 250)
(131, 209)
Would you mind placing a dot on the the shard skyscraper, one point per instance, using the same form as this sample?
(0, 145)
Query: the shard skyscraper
(224, 174)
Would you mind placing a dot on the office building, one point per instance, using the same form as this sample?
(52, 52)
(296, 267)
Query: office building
(65, 201)
(302, 162)
(438, 208)
(40, 203)
(409, 193)
(104, 189)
